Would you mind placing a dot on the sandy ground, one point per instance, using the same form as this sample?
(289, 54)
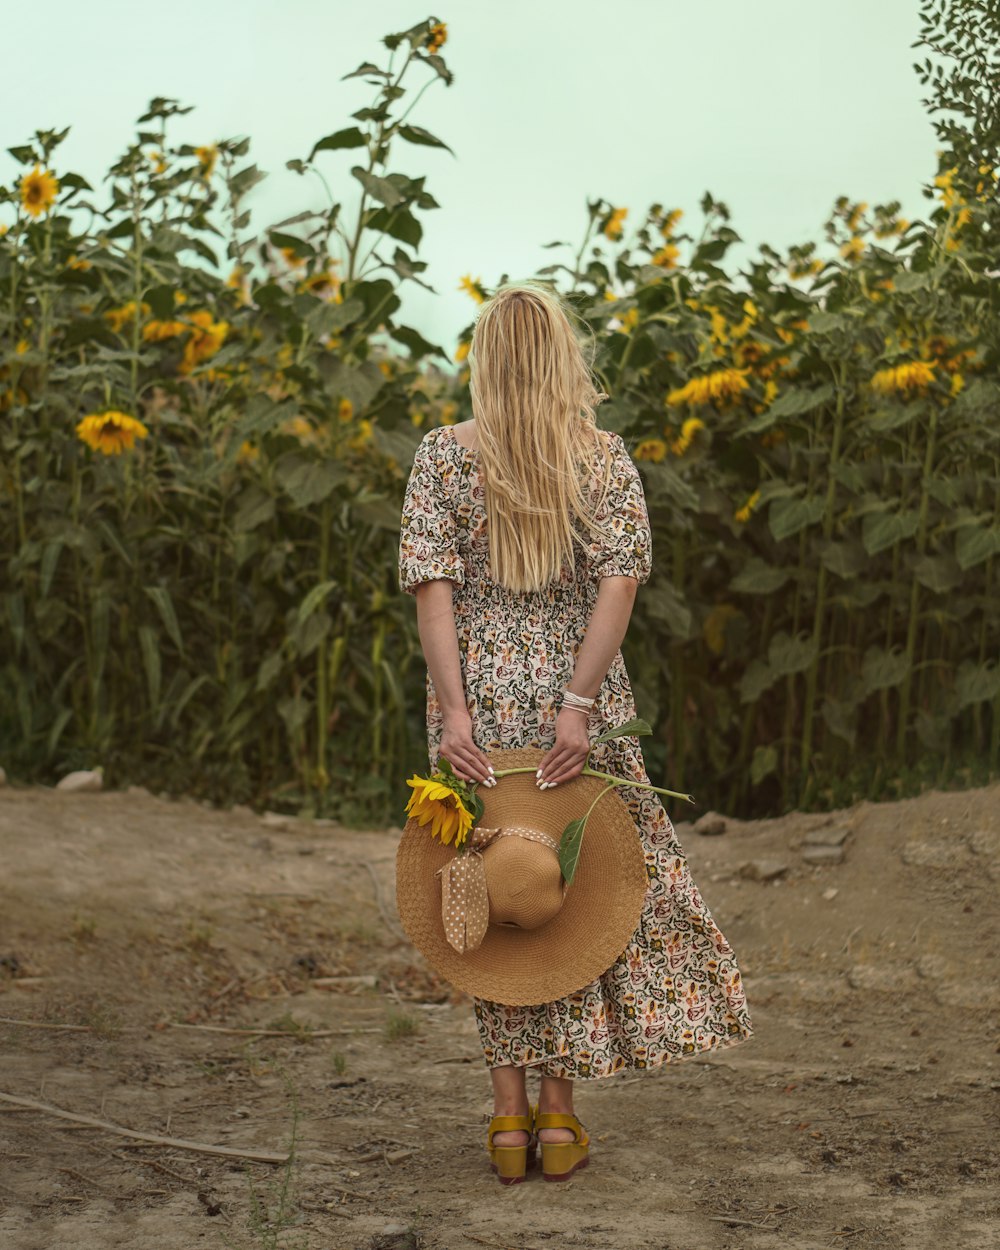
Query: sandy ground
(861, 1113)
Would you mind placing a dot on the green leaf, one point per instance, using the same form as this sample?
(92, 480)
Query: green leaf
(757, 678)
(787, 517)
(879, 531)
(269, 669)
(55, 733)
(254, 508)
(793, 402)
(631, 727)
(306, 481)
(185, 698)
(151, 662)
(975, 543)
(314, 599)
(764, 762)
(50, 559)
(840, 718)
(938, 573)
(165, 606)
(790, 655)
(883, 670)
(759, 578)
(380, 189)
(569, 848)
(977, 683)
(417, 134)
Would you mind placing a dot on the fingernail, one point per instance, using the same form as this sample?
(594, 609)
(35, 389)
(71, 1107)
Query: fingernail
(491, 768)
(538, 773)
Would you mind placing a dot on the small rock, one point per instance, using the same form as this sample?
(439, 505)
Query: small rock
(141, 791)
(762, 869)
(709, 824)
(276, 820)
(933, 854)
(829, 835)
(80, 782)
(262, 844)
(241, 809)
(831, 893)
(823, 854)
(393, 1230)
(933, 967)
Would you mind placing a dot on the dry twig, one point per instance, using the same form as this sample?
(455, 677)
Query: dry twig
(177, 1143)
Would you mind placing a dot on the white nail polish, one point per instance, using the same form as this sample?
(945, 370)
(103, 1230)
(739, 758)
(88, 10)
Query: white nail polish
(538, 773)
(491, 768)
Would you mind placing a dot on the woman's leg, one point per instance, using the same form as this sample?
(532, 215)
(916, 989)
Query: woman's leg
(510, 1097)
(556, 1094)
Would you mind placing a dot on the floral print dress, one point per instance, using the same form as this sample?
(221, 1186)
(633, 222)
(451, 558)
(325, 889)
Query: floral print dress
(676, 989)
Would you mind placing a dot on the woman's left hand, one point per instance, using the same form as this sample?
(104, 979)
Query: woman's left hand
(565, 760)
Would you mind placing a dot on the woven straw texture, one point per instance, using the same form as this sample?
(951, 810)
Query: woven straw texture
(597, 919)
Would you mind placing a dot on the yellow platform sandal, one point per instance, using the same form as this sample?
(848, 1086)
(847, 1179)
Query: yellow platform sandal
(512, 1162)
(560, 1159)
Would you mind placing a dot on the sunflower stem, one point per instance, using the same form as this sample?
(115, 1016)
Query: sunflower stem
(592, 772)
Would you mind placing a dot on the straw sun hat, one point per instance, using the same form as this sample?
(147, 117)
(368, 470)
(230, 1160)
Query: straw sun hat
(498, 920)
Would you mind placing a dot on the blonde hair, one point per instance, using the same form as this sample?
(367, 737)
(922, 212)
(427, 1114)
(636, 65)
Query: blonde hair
(534, 402)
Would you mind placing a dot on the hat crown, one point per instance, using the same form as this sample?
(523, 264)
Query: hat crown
(523, 882)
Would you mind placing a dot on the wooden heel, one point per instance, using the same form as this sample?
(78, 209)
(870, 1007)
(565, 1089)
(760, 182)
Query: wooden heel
(560, 1159)
(511, 1162)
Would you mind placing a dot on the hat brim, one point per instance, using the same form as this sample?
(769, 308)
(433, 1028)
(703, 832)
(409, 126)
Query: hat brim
(599, 914)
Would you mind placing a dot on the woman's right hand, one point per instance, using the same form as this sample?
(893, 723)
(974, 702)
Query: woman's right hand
(461, 752)
(566, 758)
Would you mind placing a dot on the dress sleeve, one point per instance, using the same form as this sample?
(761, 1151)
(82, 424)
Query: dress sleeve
(427, 534)
(629, 550)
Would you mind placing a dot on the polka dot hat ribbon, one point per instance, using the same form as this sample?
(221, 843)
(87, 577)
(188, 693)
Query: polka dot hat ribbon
(465, 904)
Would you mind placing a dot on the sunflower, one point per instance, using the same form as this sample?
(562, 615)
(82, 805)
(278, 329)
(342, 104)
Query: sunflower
(435, 803)
(38, 191)
(111, 432)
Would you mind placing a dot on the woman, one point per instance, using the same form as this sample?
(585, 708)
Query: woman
(524, 538)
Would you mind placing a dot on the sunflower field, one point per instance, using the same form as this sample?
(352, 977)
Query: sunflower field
(206, 436)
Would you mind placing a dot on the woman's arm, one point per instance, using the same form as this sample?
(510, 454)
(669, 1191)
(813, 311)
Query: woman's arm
(605, 631)
(439, 640)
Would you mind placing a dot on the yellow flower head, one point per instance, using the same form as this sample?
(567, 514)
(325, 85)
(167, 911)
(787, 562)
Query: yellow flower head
(110, 432)
(206, 158)
(38, 191)
(650, 449)
(435, 803)
(722, 386)
(613, 226)
(474, 287)
(912, 375)
(436, 36)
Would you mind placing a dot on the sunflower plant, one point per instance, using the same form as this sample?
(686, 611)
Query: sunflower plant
(448, 804)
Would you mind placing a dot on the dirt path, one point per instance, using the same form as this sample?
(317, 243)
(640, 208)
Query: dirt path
(861, 1113)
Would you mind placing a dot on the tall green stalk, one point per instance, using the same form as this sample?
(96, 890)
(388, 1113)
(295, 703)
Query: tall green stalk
(820, 606)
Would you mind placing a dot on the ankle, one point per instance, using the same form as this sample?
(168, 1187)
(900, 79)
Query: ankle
(510, 1108)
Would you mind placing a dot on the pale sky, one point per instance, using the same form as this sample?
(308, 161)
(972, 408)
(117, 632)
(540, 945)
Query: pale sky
(776, 108)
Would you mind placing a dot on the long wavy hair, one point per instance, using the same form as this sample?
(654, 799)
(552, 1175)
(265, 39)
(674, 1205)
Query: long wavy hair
(534, 401)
